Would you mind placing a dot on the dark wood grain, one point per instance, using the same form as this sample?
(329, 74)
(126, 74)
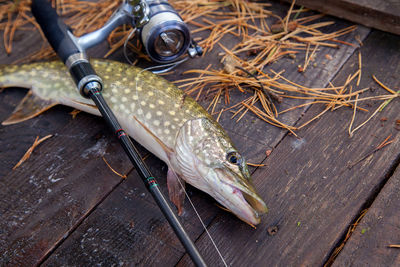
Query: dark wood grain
(380, 14)
(312, 194)
(46, 197)
(379, 228)
(167, 247)
(129, 229)
(81, 220)
(24, 44)
(16, 139)
(318, 75)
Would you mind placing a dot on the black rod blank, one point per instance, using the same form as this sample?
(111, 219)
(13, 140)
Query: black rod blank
(146, 176)
(90, 85)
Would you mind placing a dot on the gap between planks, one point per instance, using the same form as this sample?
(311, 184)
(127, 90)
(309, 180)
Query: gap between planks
(80, 221)
(367, 204)
(285, 136)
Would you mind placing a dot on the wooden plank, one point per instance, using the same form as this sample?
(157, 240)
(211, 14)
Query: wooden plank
(64, 179)
(312, 194)
(16, 139)
(54, 209)
(319, 74)
(380, 14)
(55, 189)
(168, 250)
(24, 44)
(128, 228)
(379, 228)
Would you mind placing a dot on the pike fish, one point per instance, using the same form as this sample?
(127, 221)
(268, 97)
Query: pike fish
(159, 116)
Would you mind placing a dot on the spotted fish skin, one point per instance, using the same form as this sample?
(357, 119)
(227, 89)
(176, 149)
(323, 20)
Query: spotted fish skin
(158, 115)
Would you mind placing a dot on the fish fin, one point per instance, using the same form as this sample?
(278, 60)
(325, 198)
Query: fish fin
(166, 148)
(85, 106)
(29, 107)
(176, 186)
(176, 190)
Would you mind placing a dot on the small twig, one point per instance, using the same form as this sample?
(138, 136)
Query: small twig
(311, 120)
(380, 146)
(298, 12)
(28, 153)
(288, 15)
(359, 66)
(219, 115)
(383, 86)
(384, 143)
(350, 231)
(123, 176)
(255, 165)
(74, 113)
(351, 132)
(353, 117)
(307, 62)
(389, 100)
(261, 86)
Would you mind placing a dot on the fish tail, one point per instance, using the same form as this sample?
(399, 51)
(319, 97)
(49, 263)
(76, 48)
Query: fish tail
(11, 76)
(42, 79)
(42, 75)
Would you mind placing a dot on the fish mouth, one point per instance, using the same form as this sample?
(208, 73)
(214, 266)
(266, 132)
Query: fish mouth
(251, 208)
(240, 198)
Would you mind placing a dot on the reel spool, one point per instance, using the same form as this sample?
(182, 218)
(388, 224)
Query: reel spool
(165, 36)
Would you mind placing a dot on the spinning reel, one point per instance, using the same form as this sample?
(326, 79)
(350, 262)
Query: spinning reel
(164, 35)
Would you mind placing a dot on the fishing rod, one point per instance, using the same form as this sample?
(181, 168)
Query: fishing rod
(90, 86)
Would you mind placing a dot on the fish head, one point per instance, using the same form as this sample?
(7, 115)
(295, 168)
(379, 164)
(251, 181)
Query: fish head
(207, 159)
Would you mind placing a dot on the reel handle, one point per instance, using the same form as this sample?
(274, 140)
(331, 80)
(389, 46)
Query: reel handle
(65, 45)
(56, 31)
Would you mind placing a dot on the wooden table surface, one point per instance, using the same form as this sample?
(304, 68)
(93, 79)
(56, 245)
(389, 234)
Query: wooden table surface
(64, 206)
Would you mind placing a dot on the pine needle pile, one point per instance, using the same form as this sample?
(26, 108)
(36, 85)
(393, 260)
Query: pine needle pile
(263, 37)
(261, 43)
(81, 16)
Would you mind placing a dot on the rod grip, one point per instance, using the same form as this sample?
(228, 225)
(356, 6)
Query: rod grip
(56, 31)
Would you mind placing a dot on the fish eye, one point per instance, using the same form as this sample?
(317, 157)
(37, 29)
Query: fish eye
(233, 157)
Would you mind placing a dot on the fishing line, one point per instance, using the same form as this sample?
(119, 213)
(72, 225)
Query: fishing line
(126, 43)
(180, 183)
(201, 221)
(172, 65)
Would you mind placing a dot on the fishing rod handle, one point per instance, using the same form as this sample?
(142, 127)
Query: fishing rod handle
(65, 45)
(56, 31)
(90, 85)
